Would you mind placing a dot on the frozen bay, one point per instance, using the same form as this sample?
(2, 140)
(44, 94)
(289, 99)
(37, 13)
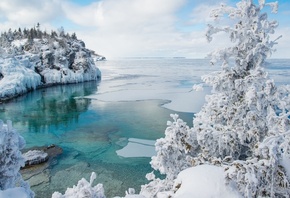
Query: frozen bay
(99, 124)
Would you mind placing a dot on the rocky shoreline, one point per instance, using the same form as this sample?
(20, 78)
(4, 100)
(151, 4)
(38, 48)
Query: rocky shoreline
(45, 60)
(9, 98)
(37, 162)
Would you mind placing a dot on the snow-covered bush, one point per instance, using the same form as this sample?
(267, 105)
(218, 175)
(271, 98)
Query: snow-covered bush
(171, 156)
(10, 161)
(83, 189)
(244, 124)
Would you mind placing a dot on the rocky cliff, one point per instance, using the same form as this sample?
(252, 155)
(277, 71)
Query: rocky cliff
(32, 58)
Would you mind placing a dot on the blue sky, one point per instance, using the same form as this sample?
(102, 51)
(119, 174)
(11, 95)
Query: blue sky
(126, 28)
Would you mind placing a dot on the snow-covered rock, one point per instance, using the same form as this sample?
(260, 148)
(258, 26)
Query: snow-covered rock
(33, 157)
(17, 78)
(204, 181)
(33, 59)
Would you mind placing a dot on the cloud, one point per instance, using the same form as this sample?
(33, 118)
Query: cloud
(122, 13)
(90, 15)
(129, 27)
(142, 28)
(29, 11)
(201, 14)
(117, 28)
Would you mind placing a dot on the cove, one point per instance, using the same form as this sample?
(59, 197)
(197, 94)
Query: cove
(90, 133)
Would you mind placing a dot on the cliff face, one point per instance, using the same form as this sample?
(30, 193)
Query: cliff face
(33, 58)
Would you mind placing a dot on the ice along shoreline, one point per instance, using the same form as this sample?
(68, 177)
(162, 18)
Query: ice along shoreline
(29, 62)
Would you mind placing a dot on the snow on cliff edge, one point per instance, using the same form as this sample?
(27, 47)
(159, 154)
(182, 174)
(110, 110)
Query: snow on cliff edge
(48, 60)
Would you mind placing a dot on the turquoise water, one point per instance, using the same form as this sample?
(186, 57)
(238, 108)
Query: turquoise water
(90, 132)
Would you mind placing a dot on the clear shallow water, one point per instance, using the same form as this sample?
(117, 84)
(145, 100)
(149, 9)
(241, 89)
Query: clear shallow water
(91, 131)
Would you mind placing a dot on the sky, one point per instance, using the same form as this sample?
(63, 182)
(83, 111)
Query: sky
(134, 28)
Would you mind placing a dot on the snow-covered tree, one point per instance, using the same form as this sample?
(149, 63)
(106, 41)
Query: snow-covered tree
(171, 157)
(234, 118)
(244, 124)
(83, 189)
(11, 159)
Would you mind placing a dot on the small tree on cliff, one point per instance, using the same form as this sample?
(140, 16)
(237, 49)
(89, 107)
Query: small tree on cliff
(244, 125)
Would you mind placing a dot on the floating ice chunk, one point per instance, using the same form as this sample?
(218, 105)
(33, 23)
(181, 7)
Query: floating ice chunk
(138, 148)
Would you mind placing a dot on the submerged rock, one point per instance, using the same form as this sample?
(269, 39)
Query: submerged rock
(38, 160)
(43, 177)
(39, 155)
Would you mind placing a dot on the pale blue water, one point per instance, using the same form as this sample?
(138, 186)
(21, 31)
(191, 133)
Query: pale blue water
(91, 131)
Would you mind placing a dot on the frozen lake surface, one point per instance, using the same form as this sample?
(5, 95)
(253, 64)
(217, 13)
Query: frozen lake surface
(110, 127)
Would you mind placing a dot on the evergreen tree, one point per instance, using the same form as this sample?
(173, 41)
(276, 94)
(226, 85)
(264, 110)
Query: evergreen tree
(25, 33)
(74, 36)
(44, 34)
(244, 125)
(61, 32)
(10, 35)
(38, 26)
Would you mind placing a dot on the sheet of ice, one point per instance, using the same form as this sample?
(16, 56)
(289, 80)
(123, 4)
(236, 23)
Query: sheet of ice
(138, 148)
(182, 100)
(204, 181)
(167, 79)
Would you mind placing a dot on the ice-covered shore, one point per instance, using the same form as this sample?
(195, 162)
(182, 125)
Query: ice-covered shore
(26, 65)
